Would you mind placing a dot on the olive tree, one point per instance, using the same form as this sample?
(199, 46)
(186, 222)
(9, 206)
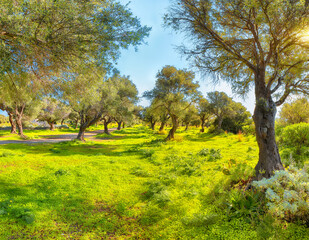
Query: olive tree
(175, 90)
(260, 44)
(295, 112)
(204, 112)
(220, 105)
(52, 111)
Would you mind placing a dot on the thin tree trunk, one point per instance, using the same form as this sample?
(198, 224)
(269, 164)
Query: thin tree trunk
(81, 133)
(85, 122)
(171, 134)
(62, 121)
(20, 126)
(203, 124)
(152, 125)
(106, 126)
(119, 125)
(76, 123)
(51, 126)
(187, 127)
(220, 120)
(123, 125)
(264, 119)
(13, 125)
(18, 119)
(162, 126)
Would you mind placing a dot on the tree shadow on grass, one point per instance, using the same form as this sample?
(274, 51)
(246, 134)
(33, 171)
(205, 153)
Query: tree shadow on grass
(73, 148)
(201, 137)
(71, 214)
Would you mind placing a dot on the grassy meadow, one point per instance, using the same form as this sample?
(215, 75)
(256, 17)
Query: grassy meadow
(134, 185)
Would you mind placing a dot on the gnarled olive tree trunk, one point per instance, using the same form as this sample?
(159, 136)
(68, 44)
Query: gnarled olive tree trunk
(119, 125)
(106, 121)
(171, 134)
(264, 119)
(51, 125)
(19, 112)
(13, 125)
(85, 122)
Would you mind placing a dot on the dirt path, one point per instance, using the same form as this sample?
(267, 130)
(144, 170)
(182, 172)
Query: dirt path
(57, 138)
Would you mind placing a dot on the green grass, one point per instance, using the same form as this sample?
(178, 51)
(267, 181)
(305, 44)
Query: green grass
(134, 185)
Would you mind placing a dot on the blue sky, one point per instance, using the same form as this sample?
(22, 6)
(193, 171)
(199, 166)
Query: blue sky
(143, 65)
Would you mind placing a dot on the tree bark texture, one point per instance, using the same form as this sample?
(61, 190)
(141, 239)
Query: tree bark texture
(119, 125)
(171, 134)
(13, 125)
(85, 122)
(106, 122)
(264, 119)
(19, 111)
(51, 125)
(202, 125)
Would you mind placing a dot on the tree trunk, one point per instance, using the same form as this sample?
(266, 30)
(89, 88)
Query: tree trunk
(51, 126)
(171, 134)
(62, 121)
(264, 119)
(152, 125)
(123, 125)
(18, 119)
(20, 126)
(187, 126)
(162, 126)
(81, 133)
(220, 120)
(85, 122)
(13, 125)
(119, 125)
(76, 123)
(106, 126)
(203, 124)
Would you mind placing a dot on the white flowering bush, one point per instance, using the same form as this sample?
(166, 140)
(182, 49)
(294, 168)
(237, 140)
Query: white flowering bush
(287, 194)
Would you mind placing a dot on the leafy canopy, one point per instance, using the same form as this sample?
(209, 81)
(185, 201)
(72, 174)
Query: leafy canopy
(259, 42)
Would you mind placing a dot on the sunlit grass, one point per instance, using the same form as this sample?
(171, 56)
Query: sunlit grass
(131, 185)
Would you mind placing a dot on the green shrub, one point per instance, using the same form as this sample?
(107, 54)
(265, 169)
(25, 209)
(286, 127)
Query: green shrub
(296, 135)
(245, 204)
(289, 156)
(249, 129)
(287, 193)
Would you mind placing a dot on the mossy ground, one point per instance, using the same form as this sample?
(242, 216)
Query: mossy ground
(134, 185)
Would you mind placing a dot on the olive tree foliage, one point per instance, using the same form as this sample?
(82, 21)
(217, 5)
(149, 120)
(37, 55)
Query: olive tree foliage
(175, 91)
(52, 111)
(240, 118)
(126, 96)
(20, 95)
(204, 112)
(52, 39)
(253, 43)
(85, 94)
(220, 105)
(48, 36)
(151, 116)
(295, 112)
(190, 114)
